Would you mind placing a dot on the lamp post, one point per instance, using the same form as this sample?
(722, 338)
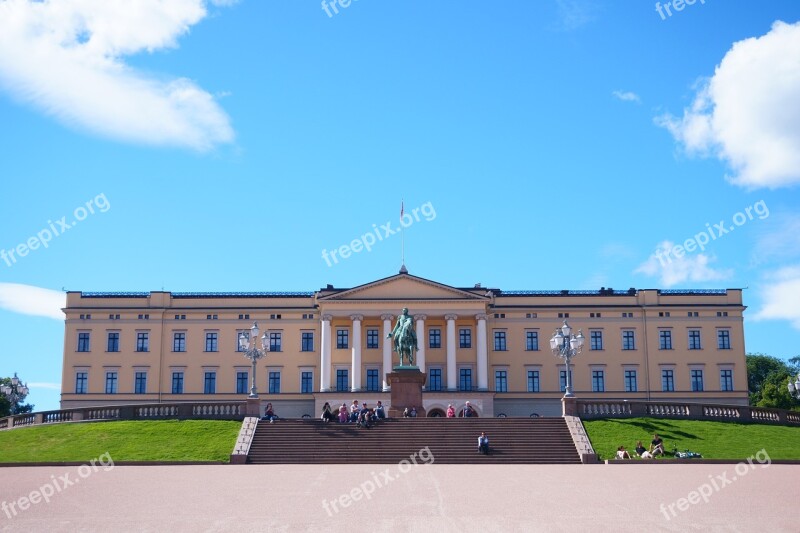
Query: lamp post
(253, 353)
(15, 392)
(794, 388)
(566, 346)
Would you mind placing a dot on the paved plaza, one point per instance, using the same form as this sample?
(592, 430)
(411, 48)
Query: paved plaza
(423, 497)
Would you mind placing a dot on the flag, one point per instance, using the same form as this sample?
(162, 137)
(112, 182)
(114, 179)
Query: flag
(401, 208)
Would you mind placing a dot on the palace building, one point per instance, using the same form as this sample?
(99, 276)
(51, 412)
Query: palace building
(485, 345)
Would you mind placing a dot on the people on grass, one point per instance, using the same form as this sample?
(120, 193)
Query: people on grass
(656, 445)
(642, 451)
(622, 453)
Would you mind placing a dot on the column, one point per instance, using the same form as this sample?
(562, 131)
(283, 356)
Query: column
(452, 376)
(387, 350)
(325, 355)
(483, 358)
(421, 341)
(355, 370)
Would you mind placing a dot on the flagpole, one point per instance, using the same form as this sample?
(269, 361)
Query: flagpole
(402, 239)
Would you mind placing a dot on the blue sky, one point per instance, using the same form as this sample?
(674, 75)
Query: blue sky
(224, 145)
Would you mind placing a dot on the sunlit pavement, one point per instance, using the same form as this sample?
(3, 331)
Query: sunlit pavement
(708, 497)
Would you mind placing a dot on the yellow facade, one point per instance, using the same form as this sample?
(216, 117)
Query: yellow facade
(484, 344)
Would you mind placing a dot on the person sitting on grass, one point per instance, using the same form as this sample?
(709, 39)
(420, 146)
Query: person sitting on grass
(642, 451)
(622, 453)
(656, 445)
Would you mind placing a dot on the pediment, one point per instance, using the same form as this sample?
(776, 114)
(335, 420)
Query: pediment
(403, 287)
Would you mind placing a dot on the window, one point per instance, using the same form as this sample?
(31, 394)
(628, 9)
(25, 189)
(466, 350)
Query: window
(113, 317)
(465, 379)
(144, 317)
(627, 315)
(697, 380)
(663, 314)
(595, 315)
(245, 317)
(562, 376)
(275, 341)
(563, 315)
(241, 382)
(598, 381)
(180, 317)
(667, 381)
(140, 383)
(499, 315)
(83, 342)
(694, 339)
(664, 339)
(501, 381)
(306, 382)
(274, 383)
(342, 380)
(533, 381)
(723, 339)
(177, 383)
(630, 381)
(81, 382)
(239, 334)
(275, 317)
(693, 314)
(434, 338)
(722, 313)
(86, 317)
(211, 341)
(726, 380)
(111, 382)
(179, 342)
(342, 339)
(465, 338)
(210, 383)
(372, 339)
(596, 340)
(500, 341)
(372, 380)
(211, 317)
(530, 315)
(113, 341)
(628, 340)
(307, 341)
(142, 341)
(308, 316)
(434, 379)
(531, 341)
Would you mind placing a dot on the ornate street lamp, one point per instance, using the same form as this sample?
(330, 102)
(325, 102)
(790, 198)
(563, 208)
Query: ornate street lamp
(254, 353)
(794, 388)
(566, 346)
(15, 392)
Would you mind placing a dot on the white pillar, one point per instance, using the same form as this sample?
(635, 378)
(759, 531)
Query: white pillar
(325, 355)
(387, 350)
(452, 375)
(483, 358)
(355, 385)
(420, 341)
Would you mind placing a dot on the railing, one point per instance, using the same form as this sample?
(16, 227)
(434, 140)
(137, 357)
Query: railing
(203, 410)
(589, 409)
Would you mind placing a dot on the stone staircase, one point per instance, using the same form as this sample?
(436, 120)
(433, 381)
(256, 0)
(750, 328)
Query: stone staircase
(450, 441)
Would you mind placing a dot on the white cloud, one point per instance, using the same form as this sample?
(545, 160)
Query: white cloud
(780, 295)
(30, 300)
(39, 385)
(627, 96)
(748, 113)
(574, 14)
(672, 270)
(66, 58)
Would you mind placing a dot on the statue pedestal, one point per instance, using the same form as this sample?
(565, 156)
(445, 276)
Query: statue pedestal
(406, 391)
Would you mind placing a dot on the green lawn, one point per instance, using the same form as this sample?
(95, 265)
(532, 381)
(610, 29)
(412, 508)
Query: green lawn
(155, 440)
(715, 440)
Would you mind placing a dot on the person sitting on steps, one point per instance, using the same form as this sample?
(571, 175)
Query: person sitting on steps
(483, 443)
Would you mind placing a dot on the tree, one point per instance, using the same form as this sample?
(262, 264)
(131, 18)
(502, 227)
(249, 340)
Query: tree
(767, 380)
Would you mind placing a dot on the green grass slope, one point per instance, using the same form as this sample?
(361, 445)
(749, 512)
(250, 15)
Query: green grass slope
(154, 440)
(715, 440)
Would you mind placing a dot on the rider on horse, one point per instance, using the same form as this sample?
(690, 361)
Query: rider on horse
(405, 337)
